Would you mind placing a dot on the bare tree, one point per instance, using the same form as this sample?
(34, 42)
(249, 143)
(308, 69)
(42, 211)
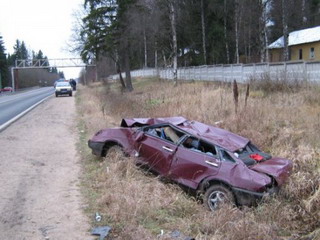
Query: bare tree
(145, 48)
(285, 30)
(127, 68)
(237, 23)
(225, 30)
(174, 41)
(203, 28)
(304, 14)
(263, 29)
(75, 43)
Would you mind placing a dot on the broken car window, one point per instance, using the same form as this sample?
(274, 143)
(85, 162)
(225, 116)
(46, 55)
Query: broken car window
(165, 132)
(197, 145)
(171, 134)
(250, 154)
(225, 156)
(192, 143)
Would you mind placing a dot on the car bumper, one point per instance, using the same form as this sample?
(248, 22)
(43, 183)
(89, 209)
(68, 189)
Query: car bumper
(250, 198)
(96, 147)
(64, 92)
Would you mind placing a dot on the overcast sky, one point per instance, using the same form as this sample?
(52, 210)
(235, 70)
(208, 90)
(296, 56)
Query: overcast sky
(41, 24)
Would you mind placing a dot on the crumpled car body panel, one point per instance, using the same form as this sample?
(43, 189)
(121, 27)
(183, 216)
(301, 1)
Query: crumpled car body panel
(119, 136)
(219, 136)
(279, 168)
(143, 138)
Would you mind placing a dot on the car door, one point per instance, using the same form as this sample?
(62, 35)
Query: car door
(157, 152)
(191, 165)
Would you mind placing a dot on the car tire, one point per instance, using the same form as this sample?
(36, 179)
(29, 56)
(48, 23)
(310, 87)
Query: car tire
(57, 95)
(217, 194)
(70, 94)
(115, 151)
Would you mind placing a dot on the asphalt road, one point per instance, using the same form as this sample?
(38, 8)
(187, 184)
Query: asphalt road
(15, 105)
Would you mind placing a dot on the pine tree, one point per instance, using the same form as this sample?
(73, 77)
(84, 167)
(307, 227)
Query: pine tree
(106, 31)
(3, 64)
(61, 74)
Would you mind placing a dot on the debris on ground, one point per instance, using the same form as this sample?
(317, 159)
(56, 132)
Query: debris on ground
(174, 235)
(98, 217)
(178, 235)
(101, 231)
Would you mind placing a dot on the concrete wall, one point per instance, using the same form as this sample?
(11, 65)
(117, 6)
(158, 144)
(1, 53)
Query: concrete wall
(292, 71)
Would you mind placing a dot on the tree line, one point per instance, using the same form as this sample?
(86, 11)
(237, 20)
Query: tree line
(26, 77)
(160, 33)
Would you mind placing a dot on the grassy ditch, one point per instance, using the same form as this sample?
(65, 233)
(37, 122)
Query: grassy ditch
(137, 205)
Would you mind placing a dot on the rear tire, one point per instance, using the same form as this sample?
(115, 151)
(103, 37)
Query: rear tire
(57, 95)
(216, 195)
(70, 94)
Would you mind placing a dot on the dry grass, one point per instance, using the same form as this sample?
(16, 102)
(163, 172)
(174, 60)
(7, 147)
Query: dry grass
(138, 205)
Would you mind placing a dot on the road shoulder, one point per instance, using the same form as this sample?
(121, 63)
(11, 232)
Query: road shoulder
(40, 172)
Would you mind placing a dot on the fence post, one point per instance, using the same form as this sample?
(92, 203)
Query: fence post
(305, 77)
(232, 73)
(207, 73)
(242, 80)
(285, 71)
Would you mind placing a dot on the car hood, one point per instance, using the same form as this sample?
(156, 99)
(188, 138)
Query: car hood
(218, 136)
(278, 168)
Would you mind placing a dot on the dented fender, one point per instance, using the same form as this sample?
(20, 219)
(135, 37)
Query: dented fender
(278, 168)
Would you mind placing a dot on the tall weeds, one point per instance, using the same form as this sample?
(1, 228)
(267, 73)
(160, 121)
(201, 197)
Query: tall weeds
(138, 205)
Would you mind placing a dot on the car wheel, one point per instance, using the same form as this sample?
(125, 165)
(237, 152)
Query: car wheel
(70, 94)
(115, 151)
(217, 194)
(56, 94)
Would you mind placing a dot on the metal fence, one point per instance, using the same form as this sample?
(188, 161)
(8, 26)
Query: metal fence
(291, 71)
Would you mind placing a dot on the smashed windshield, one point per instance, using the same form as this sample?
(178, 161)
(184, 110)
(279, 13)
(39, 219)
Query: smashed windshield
(251, 154)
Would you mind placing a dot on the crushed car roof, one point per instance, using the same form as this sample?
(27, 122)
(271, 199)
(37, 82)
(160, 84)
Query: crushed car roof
(217, 136)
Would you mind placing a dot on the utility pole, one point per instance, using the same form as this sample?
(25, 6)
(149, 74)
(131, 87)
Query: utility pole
(12, 77)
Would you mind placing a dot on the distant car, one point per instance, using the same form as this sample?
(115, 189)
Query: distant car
(63, 88)
(6, 89)
(59, 80)
(212, 162)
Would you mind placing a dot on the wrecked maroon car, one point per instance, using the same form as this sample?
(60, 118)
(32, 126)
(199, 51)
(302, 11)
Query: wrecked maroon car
(215, 163)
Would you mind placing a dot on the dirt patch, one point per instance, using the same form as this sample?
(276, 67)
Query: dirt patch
(39, 172)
